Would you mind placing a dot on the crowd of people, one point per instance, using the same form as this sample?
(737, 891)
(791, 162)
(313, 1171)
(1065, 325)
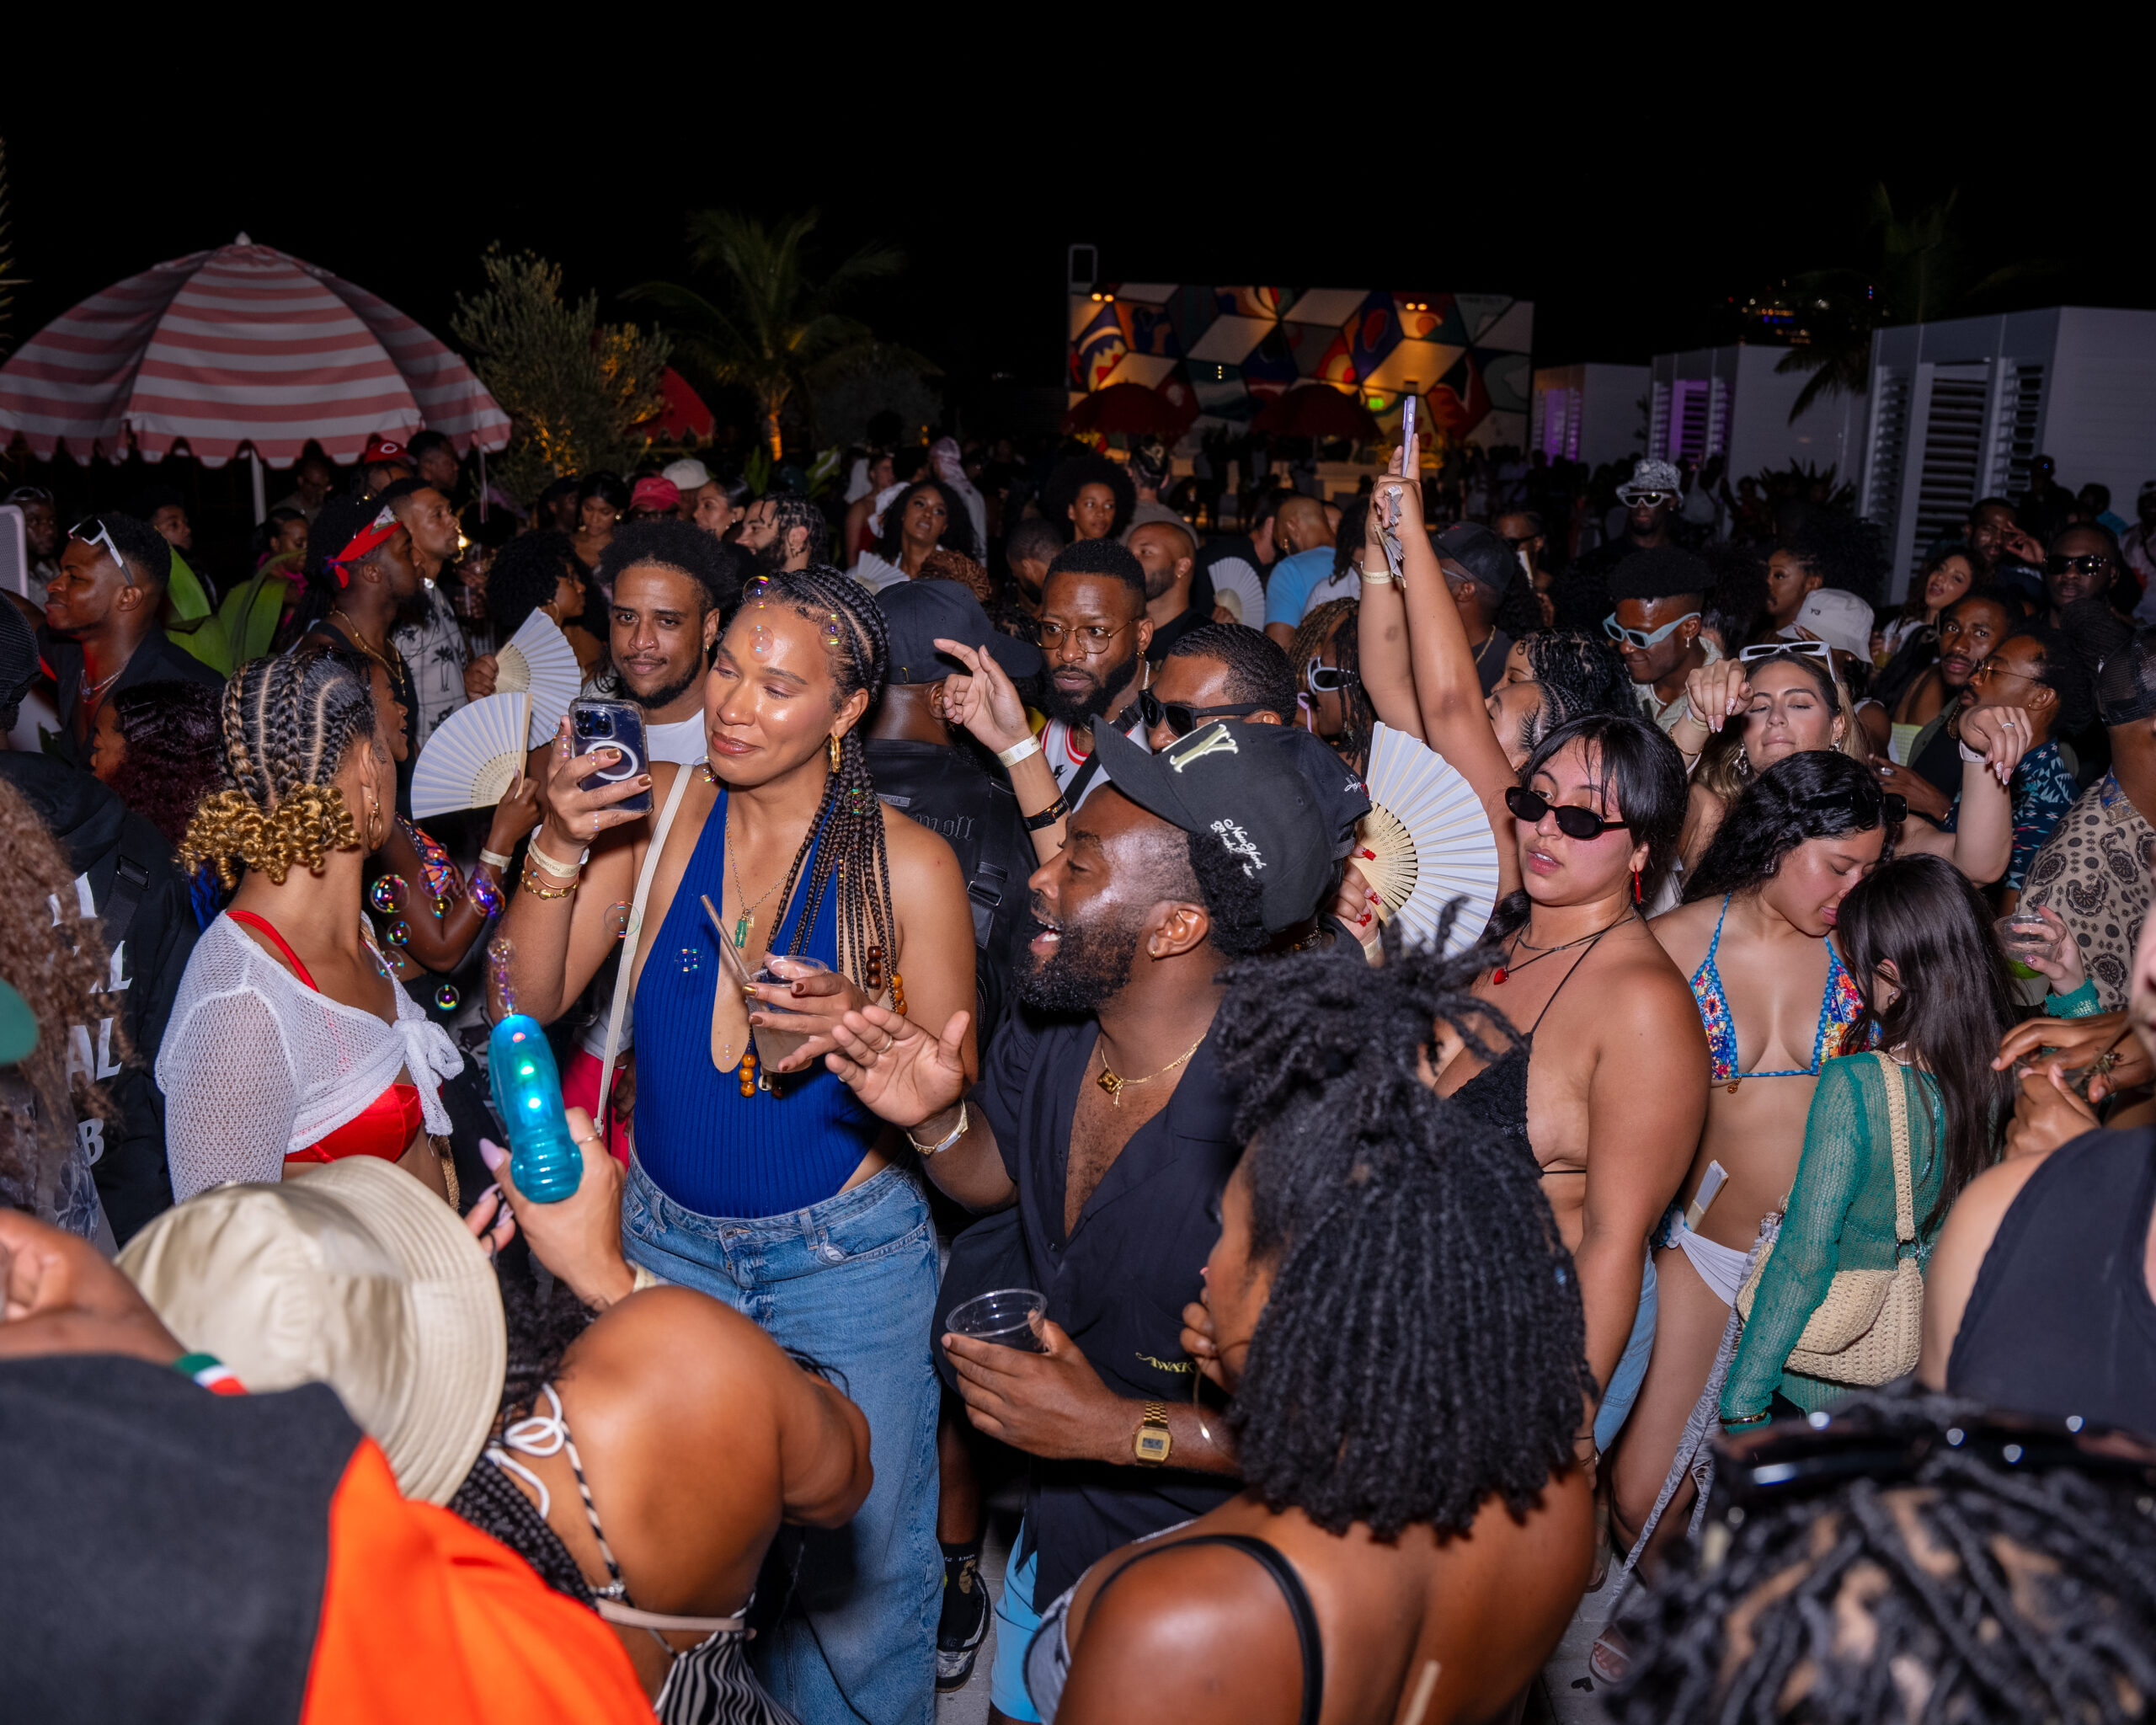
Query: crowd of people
(989, 1060)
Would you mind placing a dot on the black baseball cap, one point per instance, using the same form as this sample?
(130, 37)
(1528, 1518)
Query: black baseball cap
(1246, 785)
(1342, 797)
(918, 612)
(1481, 553)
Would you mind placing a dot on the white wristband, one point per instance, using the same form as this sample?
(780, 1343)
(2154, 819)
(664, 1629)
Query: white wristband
(564, 871)
(1018, 752)
(1968, 753)
(494, 857)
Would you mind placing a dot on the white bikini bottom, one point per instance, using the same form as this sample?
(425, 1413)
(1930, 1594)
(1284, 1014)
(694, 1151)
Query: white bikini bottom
(1721, 1267)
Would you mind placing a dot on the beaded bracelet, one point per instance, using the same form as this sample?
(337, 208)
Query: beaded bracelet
(531, 884)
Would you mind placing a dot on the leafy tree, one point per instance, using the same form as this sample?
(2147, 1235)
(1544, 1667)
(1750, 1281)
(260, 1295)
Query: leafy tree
(770, 325)
(1922, 272)
(578, 390)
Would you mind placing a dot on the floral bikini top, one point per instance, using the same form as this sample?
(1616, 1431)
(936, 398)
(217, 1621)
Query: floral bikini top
(1840, 1007)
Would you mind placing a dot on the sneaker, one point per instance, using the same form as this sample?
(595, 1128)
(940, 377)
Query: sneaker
(963, 1624)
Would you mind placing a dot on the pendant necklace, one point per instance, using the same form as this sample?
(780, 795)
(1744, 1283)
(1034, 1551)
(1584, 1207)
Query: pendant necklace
(1507, 969)
(1115, 1086)
(747, 920)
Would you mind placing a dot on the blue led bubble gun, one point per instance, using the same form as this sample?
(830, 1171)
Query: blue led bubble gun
(544, 1160)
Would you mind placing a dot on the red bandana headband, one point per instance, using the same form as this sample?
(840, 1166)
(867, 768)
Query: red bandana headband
(363, 542)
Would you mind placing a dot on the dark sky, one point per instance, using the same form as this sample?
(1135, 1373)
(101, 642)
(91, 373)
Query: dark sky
(1628, 238)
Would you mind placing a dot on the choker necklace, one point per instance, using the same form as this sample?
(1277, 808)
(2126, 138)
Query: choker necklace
(1506, 969)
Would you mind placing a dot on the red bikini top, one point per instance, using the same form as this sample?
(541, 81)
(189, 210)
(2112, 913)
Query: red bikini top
(389, 1123)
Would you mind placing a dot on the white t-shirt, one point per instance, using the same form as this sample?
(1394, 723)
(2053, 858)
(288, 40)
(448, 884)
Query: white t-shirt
(1064, 761)
(682, 742)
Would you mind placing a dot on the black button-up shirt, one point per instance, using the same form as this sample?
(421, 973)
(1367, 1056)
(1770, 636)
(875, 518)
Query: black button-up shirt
(1118, 1283)
(157, 658)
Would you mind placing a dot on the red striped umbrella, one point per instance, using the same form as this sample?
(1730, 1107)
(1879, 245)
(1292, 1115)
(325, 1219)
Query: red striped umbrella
(244, 345)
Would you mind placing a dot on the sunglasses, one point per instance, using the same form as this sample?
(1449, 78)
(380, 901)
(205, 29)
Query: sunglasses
(2093, 563)
(1183, 720)
(1768, 649)
(1573, 821)
(1643, 639)
(1327, 679)
(1646, 500)
(102, 535)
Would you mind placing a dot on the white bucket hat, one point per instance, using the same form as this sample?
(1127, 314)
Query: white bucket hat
(1650, 475)
(352, 1274)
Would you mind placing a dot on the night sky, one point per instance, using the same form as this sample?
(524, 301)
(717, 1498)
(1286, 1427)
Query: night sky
(1628, 245)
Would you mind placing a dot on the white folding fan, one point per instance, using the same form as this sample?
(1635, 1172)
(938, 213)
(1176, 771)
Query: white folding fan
(1426, 842)
(473, 757)
(538, 661)
(1235, 586)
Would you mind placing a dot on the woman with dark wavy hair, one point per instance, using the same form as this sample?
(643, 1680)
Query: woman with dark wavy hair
(160, 748)
(927, 522)
(1753, 938)
(1413, 1534)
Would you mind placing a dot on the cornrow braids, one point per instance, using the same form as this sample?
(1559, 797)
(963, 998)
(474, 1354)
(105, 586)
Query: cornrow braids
(1997, 1572)
(848, 833)
(1388, 1382)
(288, 723)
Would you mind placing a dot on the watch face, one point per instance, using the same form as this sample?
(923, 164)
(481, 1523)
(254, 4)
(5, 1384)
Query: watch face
(1153, 1443)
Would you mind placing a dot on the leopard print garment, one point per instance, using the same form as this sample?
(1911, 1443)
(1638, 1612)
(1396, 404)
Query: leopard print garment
(2093, 871)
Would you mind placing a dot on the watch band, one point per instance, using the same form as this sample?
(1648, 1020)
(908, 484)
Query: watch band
(1055, 811)
(1153, 1442)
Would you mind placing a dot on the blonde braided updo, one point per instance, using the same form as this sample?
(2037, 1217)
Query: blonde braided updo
(288, 721)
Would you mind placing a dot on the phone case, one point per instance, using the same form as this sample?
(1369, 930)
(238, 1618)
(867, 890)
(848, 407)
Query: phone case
(623, 729)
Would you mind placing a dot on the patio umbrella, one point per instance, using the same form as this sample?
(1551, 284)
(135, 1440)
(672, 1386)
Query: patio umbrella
(1316, 411)
(685, 414)
(1136, 410)
(243, 344)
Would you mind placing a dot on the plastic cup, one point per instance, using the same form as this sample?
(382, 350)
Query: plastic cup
(775, 1046)
(2021, 932)
(1009, 1317)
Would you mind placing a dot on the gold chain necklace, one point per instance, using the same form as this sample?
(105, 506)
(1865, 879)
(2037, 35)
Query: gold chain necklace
(1115, 1086)
(352, 630)
(747, 920)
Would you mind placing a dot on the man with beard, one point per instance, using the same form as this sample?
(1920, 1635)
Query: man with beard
(1969, 630)
(427, 632)
(101, 631)
(1102, 1113)
(1094, 634)
(1168, 553)
(673, 585)
(1581, 595)
(784, 532)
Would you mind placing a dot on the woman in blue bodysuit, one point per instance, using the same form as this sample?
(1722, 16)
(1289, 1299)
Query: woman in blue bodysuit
(765, 1185)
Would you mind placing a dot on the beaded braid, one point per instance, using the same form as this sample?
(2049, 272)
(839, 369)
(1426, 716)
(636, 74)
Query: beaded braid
(850, 819)
(288, 723)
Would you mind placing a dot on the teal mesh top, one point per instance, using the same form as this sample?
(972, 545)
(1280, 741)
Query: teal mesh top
(1840, 1217)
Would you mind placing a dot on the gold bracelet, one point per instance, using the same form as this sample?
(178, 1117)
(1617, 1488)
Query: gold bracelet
(531, 884)
(956, 1133)
(566, 871)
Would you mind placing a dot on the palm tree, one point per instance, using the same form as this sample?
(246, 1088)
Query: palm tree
(770, 328)
(1922, 272)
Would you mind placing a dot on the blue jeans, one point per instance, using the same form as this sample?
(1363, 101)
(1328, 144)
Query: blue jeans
(850, 1282)
(1631, 1369)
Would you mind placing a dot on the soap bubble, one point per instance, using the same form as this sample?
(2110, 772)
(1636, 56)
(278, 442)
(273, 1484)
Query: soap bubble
(759, 641)
(691, 961)
(502, 950)
(486, 895)
(833, 633)
(398, 934)
(617, 919)
(447, 997)
(758, 590)
(501, 953)
(387, 893)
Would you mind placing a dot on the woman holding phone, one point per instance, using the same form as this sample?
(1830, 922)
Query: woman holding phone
(769, 1187)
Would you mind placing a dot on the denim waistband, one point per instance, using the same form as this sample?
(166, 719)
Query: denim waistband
(854, 1204)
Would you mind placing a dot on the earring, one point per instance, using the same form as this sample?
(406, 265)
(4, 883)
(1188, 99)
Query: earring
(834, 751)
(1636, 899)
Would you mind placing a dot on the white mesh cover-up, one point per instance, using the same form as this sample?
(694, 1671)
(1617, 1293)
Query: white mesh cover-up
(255, 1065)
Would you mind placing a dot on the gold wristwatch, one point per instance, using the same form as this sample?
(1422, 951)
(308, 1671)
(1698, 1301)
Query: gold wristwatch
(1155, 1440)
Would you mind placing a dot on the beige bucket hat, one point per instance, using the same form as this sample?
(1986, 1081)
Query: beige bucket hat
(352, 1274)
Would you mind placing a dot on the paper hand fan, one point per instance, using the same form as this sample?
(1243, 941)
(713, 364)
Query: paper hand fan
(1426, 842)
(538, 661)
(472, 758)
(1236, 586)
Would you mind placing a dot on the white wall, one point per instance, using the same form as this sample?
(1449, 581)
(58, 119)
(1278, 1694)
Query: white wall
(1609, 402)
(2100, 419)
(1750, 422)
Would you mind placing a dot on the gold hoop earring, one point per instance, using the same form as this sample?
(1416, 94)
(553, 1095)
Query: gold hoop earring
(834, 751)
(374, 818)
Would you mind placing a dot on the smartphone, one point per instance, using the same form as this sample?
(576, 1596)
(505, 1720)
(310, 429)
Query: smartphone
(1408, 427)
(611, 724)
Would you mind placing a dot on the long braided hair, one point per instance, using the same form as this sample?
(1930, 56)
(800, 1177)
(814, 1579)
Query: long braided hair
(1334, 621)
(288, 721)
(847, 833)
(1423, 1345)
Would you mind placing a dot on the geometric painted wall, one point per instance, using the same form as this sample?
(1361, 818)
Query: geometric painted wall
(1469, 356)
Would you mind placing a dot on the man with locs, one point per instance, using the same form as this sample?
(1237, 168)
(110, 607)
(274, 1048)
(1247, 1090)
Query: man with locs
(101, 631)
(1102, 1114)
(1655, 624)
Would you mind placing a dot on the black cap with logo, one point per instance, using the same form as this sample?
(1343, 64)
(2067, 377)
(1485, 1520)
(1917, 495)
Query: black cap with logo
(1248, 786)
(918, 612)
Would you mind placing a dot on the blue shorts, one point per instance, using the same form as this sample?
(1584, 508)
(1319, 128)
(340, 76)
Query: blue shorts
(1016, 1622)
(1631, 1369)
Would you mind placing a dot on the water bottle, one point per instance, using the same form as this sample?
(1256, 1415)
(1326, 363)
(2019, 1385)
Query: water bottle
(544, 1160)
